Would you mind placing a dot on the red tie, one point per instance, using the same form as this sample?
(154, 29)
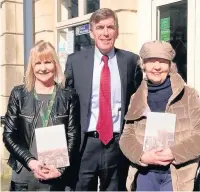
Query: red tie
(105, 124)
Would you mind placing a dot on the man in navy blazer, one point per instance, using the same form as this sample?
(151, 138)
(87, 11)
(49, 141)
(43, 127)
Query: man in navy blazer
(105, 78)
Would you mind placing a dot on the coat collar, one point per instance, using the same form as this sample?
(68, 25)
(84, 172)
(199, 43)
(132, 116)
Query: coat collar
(138, 104)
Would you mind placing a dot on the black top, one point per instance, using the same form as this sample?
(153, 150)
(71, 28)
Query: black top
(22, 116)
(158, 95)
(25, 175)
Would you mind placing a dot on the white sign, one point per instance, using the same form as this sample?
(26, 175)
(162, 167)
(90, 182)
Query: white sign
(83, 29)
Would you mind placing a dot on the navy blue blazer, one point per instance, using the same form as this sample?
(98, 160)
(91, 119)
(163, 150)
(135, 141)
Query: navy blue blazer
(79, 75)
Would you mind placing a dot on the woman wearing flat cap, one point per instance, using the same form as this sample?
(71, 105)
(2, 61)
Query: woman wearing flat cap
(163, 90)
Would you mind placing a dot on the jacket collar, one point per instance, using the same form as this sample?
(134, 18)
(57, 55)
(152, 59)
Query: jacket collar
(28, 97)
(99, 55)
(25, 93)
(138, 104)
(87, 75)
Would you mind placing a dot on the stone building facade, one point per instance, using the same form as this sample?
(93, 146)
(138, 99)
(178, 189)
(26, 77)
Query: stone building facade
(65, 24)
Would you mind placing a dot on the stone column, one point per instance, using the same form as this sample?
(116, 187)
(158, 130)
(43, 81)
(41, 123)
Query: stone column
(11, 64)
(128, 24)
(45, 21)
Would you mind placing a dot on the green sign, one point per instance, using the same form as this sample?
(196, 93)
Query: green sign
(165, 23)
(165, 35)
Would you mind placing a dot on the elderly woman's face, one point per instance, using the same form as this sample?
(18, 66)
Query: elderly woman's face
(156, 69)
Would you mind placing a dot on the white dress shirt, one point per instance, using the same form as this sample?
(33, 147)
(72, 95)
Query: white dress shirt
(115, 91)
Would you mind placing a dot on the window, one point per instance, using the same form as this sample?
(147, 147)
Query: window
(92, 6)
(72, 6)
(82, 37)
(73, 39)
(73, 34)
(65, 44)
(173, 28)
(67, 9)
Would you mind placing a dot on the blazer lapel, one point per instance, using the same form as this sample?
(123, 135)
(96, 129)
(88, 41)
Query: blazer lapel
(87, 74)
(122, 65)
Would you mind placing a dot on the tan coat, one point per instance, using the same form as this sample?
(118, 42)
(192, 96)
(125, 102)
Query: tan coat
(185, 103)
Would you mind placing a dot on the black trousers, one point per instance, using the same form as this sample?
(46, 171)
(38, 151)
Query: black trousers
(100, 161)
(30, 183)
(37, 186)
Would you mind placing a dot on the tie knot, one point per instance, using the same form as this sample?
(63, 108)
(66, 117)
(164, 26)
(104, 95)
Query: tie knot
(105, 59)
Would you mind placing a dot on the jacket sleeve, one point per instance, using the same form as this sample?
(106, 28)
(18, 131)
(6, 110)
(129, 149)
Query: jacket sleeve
(129, 144)
(189, 149)
(73, 133)
(11, 130)
(69, 77)
(138, 74)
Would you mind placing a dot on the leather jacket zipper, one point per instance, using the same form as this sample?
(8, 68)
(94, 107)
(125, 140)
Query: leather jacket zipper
(34, 123)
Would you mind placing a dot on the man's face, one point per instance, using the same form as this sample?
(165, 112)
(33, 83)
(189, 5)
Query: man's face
(104, 34)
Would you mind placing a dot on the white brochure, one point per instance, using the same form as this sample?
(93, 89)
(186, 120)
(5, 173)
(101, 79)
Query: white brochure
(51, 143)
(159, 132)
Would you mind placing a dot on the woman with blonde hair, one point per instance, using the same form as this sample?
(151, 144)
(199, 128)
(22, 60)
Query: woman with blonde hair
(41, 102)
(169, 165)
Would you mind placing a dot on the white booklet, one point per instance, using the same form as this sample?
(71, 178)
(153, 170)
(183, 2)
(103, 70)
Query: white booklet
(51, 143)
(159, 132)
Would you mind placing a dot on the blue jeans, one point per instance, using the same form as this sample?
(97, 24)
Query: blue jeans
(152, 180)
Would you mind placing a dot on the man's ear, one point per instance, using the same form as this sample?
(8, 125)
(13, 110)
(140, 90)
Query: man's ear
(117, 33)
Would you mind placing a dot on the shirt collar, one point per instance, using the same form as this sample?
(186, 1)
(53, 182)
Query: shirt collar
(99, 55)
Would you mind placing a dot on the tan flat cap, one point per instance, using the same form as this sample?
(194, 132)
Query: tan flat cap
(157, 49)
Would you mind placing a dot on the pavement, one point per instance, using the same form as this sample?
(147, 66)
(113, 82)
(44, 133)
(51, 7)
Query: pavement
(5, 183)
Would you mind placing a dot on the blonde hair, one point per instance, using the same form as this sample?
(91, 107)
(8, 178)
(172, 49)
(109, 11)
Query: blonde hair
(43, 51)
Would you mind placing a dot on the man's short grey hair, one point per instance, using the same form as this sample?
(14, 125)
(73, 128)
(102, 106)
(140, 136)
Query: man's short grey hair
(101, 14)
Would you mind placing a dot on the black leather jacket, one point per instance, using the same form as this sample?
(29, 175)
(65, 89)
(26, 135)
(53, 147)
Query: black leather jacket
(20, 122)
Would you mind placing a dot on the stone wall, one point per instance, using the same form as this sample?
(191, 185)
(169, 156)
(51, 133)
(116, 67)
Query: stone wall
(127, 16)
(12, 62)
(45, 20)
